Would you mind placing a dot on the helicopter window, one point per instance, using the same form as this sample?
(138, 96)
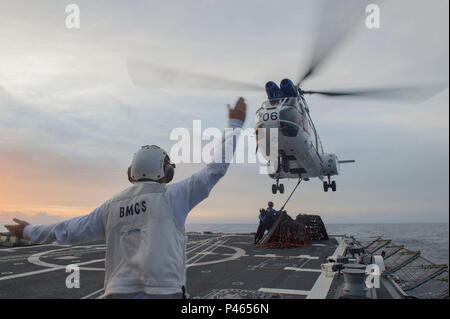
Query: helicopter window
(275, 102)
(290, 114)
(290, 101)
(288, 130)
(280, 101)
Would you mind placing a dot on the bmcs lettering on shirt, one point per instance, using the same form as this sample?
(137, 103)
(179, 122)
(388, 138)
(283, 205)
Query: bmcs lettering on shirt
(132, 209)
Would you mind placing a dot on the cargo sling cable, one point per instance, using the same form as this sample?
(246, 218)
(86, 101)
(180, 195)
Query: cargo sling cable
(264, 242)
(299, 181)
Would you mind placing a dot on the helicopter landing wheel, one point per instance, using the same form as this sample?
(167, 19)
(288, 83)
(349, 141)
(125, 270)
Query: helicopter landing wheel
(274, 189)
(277, 187)
(328, 185)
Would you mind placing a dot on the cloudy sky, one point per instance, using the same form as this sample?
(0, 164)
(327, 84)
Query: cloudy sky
(71, 117)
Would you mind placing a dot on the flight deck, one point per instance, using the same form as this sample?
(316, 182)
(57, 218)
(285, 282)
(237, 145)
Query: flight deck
(227, 266)
(218, 266)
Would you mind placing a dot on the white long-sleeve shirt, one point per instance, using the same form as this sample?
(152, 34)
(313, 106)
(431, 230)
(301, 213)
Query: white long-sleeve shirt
(185, 195)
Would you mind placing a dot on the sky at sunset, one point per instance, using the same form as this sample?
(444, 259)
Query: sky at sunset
(71, 118)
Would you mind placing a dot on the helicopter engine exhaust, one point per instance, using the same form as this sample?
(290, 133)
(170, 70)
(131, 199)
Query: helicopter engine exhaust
(288, 88)
(273, 91)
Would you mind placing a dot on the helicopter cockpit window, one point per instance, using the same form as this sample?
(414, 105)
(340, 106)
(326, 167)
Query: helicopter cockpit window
(290, 101)
(285, 101)
(272, 103)
(291, 114)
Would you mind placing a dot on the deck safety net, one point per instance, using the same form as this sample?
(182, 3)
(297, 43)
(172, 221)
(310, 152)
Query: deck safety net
(417, 276)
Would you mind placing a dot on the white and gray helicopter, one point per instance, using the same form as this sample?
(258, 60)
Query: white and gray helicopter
(300, 151)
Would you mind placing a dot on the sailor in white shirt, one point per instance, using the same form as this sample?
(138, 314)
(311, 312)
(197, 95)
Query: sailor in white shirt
(143, 226)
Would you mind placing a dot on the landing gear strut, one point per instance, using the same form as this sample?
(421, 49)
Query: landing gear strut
(277, 187)
(327, 185)
(283, 164)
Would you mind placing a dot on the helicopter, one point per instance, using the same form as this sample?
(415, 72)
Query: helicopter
(300, 151)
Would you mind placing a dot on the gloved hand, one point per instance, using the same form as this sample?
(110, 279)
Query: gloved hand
(17, 230)
(239, 111)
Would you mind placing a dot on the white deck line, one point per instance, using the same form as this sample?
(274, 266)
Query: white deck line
(323, 283)
(302, 269)
(305, 257)
(93, 293)
(13, 249)
(284, 291)
(36, 272)
(209, 249)
(268, 256)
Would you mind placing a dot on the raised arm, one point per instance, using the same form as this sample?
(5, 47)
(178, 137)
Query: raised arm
(187, 193)
(69, 232)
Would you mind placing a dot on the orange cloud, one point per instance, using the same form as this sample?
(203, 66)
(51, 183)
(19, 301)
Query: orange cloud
(34, 182)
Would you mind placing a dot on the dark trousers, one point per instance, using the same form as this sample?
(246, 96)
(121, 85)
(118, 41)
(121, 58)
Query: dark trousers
(259, 232)
(263, 226)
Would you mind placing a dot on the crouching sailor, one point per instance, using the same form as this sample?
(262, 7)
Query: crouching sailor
(143, 226)
(261, 227)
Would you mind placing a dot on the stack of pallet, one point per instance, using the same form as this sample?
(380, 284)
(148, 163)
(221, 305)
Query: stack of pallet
(314, 226)
(287, 232)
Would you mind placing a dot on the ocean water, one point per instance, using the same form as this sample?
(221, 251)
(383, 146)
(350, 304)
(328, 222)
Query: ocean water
(431, 239)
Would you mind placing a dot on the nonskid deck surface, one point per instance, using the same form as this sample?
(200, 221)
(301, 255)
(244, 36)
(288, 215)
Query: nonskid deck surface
(218, 266)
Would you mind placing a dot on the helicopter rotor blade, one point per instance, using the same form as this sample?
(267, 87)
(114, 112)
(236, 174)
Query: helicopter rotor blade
(144, 74)
(337, 20)
(418, 93)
